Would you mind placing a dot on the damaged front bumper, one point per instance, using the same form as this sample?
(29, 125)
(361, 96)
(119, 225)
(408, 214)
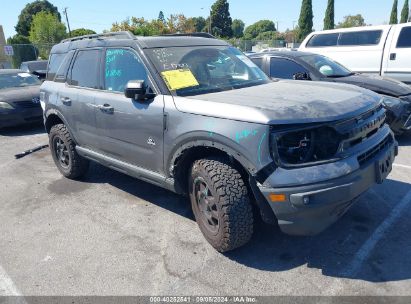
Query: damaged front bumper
(315, 197)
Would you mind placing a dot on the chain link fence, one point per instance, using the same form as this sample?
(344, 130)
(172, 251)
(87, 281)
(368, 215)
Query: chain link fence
(12, 55)
(257, 45)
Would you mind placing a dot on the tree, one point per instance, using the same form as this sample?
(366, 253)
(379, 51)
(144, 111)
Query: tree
(329, 16)
(26, 16)
(394, 13)
(405, 12)
(81, 32)
(352, 21)
(23, 49)
(161, 17)
(200, 24)
(269, 35)
(220, 19)
(261, 26)
(238, 28)
(45, 30)
(305, 22)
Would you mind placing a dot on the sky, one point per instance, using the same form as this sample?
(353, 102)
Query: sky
(99, 15)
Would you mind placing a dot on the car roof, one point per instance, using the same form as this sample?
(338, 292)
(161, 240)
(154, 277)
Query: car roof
(10, 71)
(127, 38)
(290, 54)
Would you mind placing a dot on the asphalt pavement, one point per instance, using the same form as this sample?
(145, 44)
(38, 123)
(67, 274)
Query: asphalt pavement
(110, 234)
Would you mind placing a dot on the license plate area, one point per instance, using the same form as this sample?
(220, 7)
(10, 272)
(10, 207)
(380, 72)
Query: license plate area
(383, 166)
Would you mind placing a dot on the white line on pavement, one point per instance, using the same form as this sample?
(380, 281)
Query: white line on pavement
(364, 252)
(7, 287)
(402, 166)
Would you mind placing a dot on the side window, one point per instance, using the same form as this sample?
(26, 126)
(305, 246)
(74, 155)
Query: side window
(54, 64)
(62, 71)
(122, 65)
(323, 40)
(85, 70)
(284, 68)
(258, 61)
(360, 38)
(404, 40)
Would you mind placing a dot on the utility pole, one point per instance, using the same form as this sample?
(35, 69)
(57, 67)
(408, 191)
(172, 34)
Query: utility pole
(68, 24)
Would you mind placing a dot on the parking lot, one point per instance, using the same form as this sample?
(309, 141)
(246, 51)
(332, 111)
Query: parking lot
(110, 234)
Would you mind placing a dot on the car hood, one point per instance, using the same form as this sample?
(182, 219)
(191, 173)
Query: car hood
(20, 93)
(283, 102)
(377, 84)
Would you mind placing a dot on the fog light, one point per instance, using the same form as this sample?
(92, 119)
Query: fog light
(277, 197)
(306, 200)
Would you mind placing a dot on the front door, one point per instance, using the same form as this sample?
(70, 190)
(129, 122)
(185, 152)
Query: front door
(129, 130)
(398, 60)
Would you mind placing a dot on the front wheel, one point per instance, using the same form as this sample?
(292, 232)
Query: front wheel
(65, 156)
(220, 203)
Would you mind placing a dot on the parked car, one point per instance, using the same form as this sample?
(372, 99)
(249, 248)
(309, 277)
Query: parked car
(37, 68)
(19, 98)
(383, 50)
(308, 66)
(196, 116)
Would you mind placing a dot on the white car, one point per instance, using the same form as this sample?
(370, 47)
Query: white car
(384, 50)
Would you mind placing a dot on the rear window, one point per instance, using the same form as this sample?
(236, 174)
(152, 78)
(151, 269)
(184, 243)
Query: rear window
(54, 64)
(360, 38)
(323, 40)
(85, 70)
(404, 40)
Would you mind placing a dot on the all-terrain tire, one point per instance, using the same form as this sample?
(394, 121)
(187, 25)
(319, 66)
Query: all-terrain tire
(231, 212)
(74, 166)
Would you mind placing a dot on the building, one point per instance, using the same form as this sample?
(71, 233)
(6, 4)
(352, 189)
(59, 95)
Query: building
(4, 60)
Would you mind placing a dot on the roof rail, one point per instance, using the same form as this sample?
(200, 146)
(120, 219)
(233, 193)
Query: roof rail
(110, 35)
(196, 34)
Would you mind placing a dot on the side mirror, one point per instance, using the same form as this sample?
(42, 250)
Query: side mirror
(301, 76)
(137, 90)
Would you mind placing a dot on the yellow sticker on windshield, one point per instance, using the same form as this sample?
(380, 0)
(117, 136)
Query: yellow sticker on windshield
(179, 79)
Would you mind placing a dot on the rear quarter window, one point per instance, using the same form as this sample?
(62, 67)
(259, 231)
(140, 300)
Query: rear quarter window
(323, 40)
(54, 64)
(404, 40)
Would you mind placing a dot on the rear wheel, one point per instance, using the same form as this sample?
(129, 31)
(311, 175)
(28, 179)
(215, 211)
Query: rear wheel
(221, 204)
(65, 156)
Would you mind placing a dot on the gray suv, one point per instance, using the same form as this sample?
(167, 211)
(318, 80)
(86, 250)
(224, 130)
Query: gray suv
(196, 116)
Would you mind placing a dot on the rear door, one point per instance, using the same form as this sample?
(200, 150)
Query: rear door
(129, 130)
(77, 98)
(398, 54)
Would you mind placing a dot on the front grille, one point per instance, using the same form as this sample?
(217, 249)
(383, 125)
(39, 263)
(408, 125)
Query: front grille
(360, 128)
(27, 104)
(371, 153)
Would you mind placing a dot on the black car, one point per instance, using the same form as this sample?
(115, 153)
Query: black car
(36, 67)
(19, 98)
(307, 66)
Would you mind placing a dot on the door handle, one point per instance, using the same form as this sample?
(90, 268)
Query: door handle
(393, 56)
(106, 108)
(66, 101)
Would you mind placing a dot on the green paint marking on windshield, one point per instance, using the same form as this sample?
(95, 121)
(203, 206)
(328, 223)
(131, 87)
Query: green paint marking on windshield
(113, 73)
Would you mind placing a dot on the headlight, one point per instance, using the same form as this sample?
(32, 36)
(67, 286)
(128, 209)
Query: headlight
(5, 105)
(305, 146)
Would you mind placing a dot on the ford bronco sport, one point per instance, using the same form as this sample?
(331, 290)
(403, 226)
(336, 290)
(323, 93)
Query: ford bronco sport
(196, 116)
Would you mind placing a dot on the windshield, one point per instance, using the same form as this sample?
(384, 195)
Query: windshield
(15, 80)
(326, 66)
(206, 69)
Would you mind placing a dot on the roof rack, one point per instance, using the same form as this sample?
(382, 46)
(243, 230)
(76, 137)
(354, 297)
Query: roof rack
(196, 34)
(110, 35)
